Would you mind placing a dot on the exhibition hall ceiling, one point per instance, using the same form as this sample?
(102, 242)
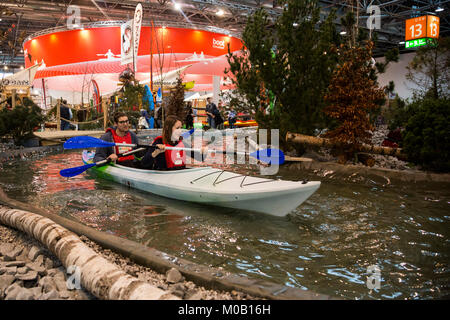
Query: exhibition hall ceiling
(20, 19)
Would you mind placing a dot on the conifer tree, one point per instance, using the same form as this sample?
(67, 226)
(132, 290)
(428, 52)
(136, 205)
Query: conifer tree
(175, 104)
(284, 68)
(352, 94)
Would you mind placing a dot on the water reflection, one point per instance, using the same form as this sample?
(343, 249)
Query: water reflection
(326, 245)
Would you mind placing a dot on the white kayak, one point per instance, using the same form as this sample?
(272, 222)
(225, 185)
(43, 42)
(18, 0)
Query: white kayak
(211, 186)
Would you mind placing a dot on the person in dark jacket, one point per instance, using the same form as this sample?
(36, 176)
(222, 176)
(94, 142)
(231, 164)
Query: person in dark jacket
(120, 133)
(65, 113)
(158, 158)
(189, 116)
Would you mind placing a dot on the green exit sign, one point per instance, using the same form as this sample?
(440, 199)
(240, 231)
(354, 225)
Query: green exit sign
(417, 43)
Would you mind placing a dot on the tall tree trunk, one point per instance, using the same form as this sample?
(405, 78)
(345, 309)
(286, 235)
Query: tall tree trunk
(100, 277)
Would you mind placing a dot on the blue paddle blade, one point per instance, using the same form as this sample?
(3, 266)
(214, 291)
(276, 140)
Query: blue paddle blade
(71, 172)
(86, 142)
(187, 133)
(269, 156)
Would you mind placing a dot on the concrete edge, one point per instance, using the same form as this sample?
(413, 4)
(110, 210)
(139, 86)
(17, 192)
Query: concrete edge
(12, 154)
(406, 176)
(161, 262)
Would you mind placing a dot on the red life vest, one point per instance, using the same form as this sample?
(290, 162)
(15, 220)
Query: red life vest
(119, 149)
(174, 158)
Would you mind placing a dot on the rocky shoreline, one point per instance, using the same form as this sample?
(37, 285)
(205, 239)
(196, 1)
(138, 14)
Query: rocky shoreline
(28, 271)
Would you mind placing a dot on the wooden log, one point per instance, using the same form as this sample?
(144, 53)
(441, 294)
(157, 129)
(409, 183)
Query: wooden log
(100, 277)
(321, 142)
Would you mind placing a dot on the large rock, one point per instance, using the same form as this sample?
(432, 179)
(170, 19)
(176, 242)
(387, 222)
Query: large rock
(173, 276)
(34, 253)
(6, 247)
(60, 283)
(47, 284)
(52, 295)
(39, 268)
(8, 270)
(25, 294)
(5, 281)
(29, 276)
(12, 291)
(12, 264)
(12, 255)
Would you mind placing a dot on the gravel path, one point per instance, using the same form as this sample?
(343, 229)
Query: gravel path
(28, 271)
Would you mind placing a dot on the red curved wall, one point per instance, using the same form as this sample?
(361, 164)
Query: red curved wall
(83, 45)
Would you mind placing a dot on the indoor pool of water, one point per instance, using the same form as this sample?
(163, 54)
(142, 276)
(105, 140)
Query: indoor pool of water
(326, 245)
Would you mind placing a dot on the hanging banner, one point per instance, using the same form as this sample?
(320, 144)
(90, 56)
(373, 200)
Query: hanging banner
(159, 96)
(136, 33)
(96, 96)
(20, 80)
(126, 40)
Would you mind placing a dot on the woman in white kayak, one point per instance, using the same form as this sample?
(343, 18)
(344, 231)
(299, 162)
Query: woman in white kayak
(161, 159)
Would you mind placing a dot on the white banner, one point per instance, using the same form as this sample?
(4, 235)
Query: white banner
(137, 32)
(126, 40)
(20, 80)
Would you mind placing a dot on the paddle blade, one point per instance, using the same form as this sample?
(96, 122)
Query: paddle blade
(71, 172)
(269, 156)
(86, 142)
(187, 133)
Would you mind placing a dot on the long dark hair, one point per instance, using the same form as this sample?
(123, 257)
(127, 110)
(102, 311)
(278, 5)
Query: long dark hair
(169, 122)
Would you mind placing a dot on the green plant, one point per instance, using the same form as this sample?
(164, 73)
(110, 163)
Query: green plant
(430, 70)
(21, 121)
(284, 67)
(396, 114)
(427, 135)
(132, 98)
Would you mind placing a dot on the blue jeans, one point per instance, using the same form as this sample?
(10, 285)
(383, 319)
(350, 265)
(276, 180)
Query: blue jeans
(211, 123)
(65, 125)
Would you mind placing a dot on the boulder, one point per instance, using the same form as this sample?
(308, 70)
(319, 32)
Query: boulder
(12, 255)
(39, 268)
(173, 276)
(29, 276)
(25, 294)
(52, 295)
(5, 281)
(6, 247)
(47, 284)
(34, 252)
(12, 264)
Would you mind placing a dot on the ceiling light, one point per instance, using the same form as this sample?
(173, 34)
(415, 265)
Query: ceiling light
(401, 42)
(177, 6)
(295, 24)
(439, 9)
(220, 13)
(343, 33)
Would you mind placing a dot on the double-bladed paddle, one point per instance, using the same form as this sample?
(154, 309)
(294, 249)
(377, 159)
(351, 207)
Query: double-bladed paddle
(71, 172)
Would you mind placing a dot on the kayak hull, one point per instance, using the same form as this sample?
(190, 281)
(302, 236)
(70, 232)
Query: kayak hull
(212, 186)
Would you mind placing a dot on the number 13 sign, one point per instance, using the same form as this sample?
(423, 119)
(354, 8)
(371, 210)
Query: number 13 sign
(422, 27)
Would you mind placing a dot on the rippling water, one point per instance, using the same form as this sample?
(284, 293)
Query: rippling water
(326, 245)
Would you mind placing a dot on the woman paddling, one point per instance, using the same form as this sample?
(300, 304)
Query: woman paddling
(161, 159)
